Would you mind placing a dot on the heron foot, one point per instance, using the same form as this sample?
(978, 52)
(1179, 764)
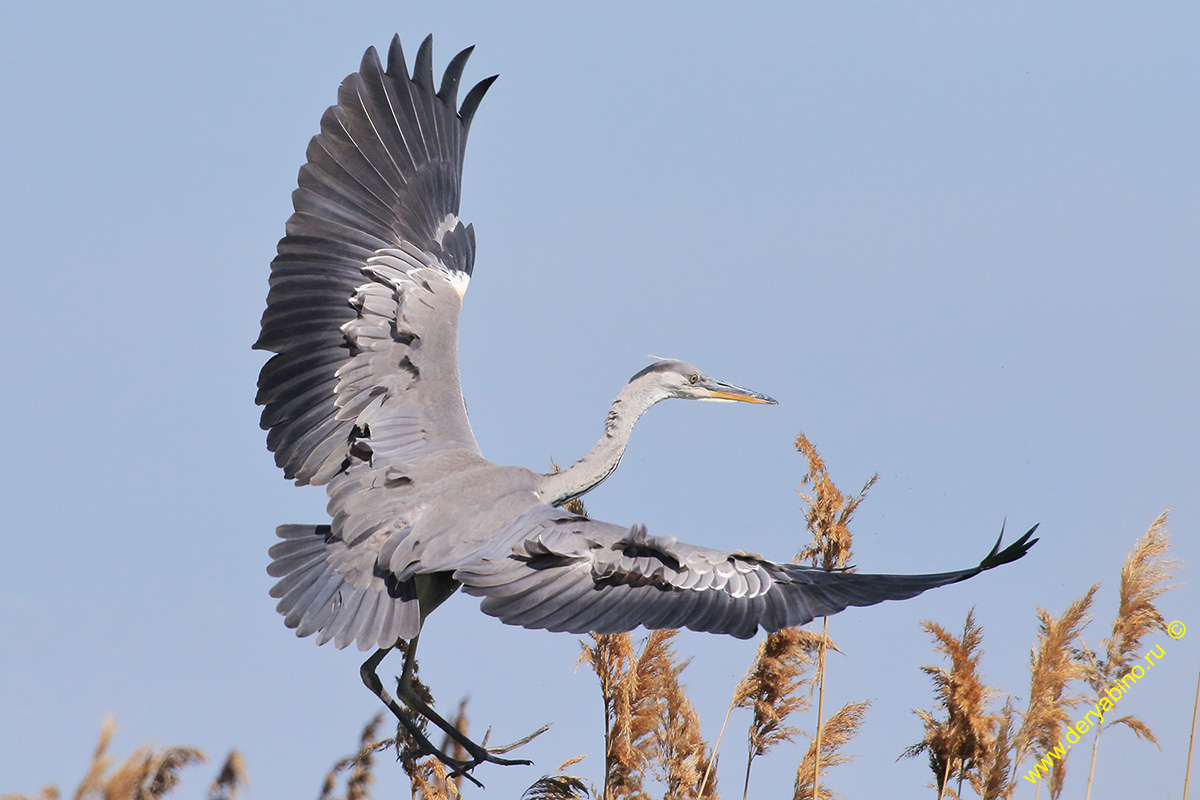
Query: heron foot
(478, 753)
(481, 753)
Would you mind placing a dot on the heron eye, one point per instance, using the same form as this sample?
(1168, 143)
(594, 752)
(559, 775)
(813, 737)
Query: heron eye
(693, 378)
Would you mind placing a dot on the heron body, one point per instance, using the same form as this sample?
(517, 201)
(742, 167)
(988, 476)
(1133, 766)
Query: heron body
(362, 395)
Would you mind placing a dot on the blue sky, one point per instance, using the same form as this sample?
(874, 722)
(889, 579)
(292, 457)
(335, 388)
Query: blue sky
(957, 241)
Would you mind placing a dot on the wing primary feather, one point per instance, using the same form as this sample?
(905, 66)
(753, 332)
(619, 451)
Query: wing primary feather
(381, 141)
(346, 145)
(471, 102)
(451, 77)
(368, 149)
(751, 613)
(398, 104)
(422, 73)
(397, 67)
(422, 78)
(370, 61)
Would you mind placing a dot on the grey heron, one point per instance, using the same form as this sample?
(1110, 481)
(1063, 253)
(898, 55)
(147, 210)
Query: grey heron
(362, 395)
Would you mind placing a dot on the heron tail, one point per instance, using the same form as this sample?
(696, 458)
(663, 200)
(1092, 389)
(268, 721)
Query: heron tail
(315, 597)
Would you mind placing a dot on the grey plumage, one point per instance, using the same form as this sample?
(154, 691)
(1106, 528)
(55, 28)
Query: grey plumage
(362, 395)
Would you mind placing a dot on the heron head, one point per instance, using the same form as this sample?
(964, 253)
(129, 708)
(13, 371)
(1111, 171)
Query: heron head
(678, 379)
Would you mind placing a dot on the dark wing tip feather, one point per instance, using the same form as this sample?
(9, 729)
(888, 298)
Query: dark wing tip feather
(397, 67)
(451, 77)
(1016, 550)
(471, 101)
(422, 73)
(370, 61)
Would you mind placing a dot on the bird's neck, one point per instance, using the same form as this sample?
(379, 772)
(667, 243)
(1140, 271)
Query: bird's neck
(579, 478)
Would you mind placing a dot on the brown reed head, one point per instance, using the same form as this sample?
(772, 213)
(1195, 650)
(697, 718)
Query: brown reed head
(829, 512)
(837, 731)
(230, 778)
(650, 726)
(1052, 668)
(956, 745)
(778, 684)
(1145, 576)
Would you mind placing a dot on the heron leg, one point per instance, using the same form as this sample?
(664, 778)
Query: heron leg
(405, 688)
(371, 679)
(479, 753)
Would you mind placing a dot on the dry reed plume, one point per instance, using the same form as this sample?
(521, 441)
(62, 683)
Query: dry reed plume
(1052, 669)
(992, 779)
(627, 733)
(453, 746)
(777, 685)
(557, 787)
(650, 726)
(956, 745)
(230, 777)
(829, 512)
(1144, 578)
(147, 774)
(838, 731)
(560, 785)
(428, 777)
(690, 763)
(358, 782)
(686, 764)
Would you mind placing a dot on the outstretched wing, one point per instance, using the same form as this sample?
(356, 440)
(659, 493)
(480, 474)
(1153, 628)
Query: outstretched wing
(367, 285)
(562, 572)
